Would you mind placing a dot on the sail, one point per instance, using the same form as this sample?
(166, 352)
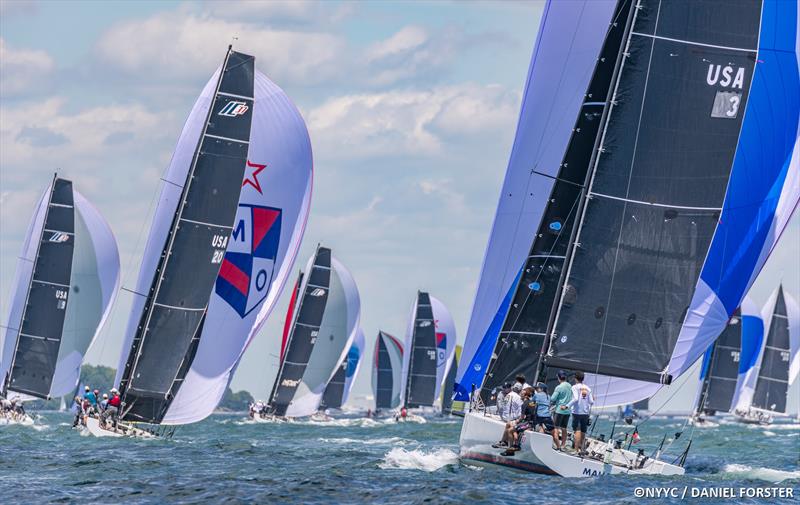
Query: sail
(762, 194)
(567, 45)
(657, 188)
(187, 243)
(387, 385)
(337, 330)
(780, 350)
(449, 383)
(268, 229)
(334, 391)
(723, 363)
(31, 359)
(306, 318)
(95, 281)
(354, 360)
(420, 362)
(338, 389)
(445, 342)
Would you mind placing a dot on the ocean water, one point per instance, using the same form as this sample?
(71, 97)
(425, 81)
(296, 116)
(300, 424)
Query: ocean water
(229, 459)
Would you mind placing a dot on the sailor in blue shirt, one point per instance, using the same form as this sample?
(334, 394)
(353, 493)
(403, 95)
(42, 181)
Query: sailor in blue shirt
(542, 399)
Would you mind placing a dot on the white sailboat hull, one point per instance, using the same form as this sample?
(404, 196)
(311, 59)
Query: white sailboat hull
(536, 454)
(93, 428)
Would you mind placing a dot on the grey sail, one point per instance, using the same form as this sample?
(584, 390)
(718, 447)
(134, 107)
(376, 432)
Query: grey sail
(384, 374)
(421, 381)
(334, 391)
(719, 383)
(172, 320)
(773, 375)
(41, 328)
(656, 187)
(521, 338)
(449, 384)
(303, 333)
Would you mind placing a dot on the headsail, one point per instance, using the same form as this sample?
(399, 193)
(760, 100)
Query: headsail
(387, 372)
(338, 389)
(187, 243)
(449, 383)
(568, 43)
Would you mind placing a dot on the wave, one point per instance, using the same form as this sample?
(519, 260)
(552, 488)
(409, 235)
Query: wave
(366, 441)
(417, 459)
(761, 473)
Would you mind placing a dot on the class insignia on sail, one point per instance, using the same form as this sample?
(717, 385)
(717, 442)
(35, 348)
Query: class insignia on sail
(225, 234)
(613, 261)
(66, 281)
(321, 324)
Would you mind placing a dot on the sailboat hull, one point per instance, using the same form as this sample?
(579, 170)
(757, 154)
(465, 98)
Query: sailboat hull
(536, 454)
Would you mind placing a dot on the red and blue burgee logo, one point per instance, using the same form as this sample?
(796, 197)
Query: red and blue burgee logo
(249, 265)
(441, 347)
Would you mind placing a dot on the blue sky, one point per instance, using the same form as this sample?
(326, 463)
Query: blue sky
(411, 107)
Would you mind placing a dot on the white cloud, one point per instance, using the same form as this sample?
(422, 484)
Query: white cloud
(280, 11)
(182, 44)
(23, 71)
(408, 123)
(408, 53)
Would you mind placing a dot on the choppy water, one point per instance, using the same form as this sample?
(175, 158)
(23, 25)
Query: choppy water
(229, 459)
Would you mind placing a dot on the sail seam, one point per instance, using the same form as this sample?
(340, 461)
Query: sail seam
(682, 41)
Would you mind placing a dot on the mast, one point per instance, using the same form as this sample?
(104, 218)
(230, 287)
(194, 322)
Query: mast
(175, 307)
(46, 297)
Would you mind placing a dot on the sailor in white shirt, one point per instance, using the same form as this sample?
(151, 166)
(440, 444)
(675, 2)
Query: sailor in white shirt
(581, 405)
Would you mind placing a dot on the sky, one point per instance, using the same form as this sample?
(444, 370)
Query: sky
(411, 108)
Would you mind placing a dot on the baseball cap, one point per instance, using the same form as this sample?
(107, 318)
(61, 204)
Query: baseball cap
(541, 385)
(562, 374)
(517, 387)
(507, 385)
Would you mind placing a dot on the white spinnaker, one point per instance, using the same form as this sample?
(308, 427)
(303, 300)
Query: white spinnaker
(280, 143)
(22, 279)
(444, 357)
(395, 350)
(793, 314)
(340, 323)
(355, 357)
(746, 383)
(94, 284)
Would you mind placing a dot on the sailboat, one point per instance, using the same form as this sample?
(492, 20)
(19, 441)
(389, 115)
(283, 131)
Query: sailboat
(610, 251)
(777, 363)
(449, 384)
(66, 281)
(727, 362)
(387, 372)
(230, 218)
(338, 389)
(321, 324)
(430, 340)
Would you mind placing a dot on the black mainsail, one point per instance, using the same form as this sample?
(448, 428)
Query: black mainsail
(303, 333)
(719, 383)
(447, 388)
(521, 339)
(421, 380)
(172, 320)
(773, 374)
(384, 378)
(334, 391)
(655, 188)
(42, 323)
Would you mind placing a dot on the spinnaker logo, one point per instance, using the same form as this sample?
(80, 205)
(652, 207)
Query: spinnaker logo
(246, 273)
(59, 237)
(233, 109)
